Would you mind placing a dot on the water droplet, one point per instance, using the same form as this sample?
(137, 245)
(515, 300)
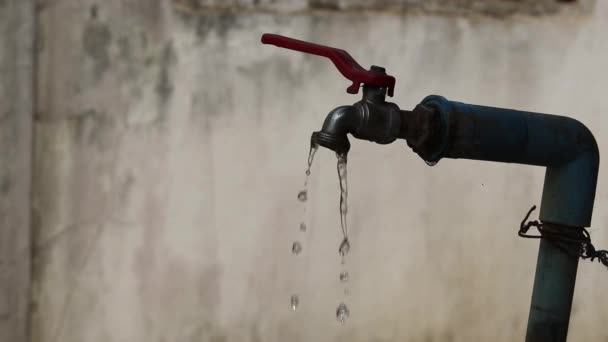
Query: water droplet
(295, 301)
(303, 196)
(296, 248)
(342, 313)
(344, 247)
(430, 163)
(344, 276)
(308, 172)
(302, 227)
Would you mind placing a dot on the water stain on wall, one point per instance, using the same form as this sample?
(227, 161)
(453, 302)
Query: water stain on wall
(96, 40)
(220, 24)
(164, 85)
(204, 23)
(5, 185)
(125, 52)
(282, 70)
(94, 129)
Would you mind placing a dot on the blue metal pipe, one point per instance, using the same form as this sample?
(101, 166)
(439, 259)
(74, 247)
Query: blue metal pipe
(570, 154)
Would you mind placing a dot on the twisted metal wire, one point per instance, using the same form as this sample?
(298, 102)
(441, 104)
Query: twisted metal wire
(560, 233)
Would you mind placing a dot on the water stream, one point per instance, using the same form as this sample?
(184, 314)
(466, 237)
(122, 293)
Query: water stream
(296, 246)
(342, 311)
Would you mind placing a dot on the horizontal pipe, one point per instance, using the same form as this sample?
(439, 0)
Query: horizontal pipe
(564, 145)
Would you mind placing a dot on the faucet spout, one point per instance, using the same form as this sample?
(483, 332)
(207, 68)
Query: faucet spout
(333, 135)
(371, 119)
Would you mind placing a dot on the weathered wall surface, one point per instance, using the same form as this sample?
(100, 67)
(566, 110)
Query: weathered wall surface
(170, 146)
(496, 8)
(16, 111)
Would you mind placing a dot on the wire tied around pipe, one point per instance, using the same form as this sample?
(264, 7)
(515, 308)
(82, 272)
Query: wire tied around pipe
(563, 234)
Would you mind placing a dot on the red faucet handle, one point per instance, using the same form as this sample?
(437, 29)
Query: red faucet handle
(341, 59)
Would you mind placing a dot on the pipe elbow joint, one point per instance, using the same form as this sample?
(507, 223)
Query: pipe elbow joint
(587, 143)
(577, 177)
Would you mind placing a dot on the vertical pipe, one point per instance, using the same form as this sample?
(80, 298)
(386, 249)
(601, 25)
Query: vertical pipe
(553, 290)
(567, 203)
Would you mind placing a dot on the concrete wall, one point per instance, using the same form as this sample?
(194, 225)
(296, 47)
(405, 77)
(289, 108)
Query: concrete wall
(170, 145)
(16, 111)
(494, 8)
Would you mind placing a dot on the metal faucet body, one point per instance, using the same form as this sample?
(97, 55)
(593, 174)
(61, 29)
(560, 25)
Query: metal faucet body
(371, 119)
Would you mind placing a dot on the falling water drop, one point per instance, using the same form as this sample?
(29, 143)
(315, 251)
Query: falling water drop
(342, 313)
(344, 247)
(344, 276)
(295, 301)
(296, 248)
(303, 195)
(430, 163)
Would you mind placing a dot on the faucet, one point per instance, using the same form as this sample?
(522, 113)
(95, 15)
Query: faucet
(371, 119)
(439, 128)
